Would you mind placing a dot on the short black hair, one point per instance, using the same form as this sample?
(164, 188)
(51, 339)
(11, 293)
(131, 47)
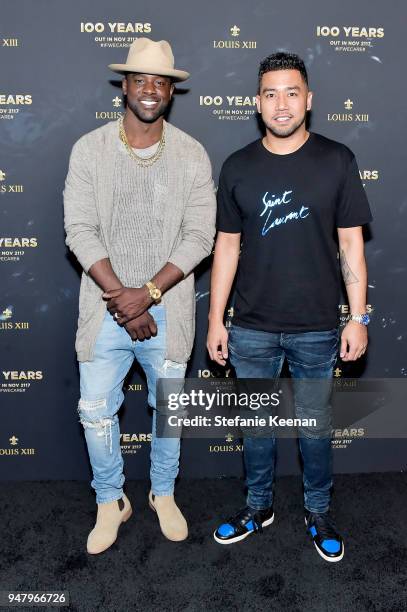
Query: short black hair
(282, 61)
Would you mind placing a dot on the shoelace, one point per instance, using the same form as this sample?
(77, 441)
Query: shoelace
(324, 525)
(235, 521)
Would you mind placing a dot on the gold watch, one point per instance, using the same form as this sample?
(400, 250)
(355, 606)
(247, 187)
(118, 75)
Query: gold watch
(155, 292)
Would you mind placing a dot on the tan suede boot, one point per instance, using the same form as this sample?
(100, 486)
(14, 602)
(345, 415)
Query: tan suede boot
(172, 522)
(109, 518)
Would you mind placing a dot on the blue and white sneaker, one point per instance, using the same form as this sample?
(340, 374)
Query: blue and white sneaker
(327, 541)
(244, 523)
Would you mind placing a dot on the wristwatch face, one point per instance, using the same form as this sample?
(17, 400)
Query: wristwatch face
(365, 319)
(156, 294)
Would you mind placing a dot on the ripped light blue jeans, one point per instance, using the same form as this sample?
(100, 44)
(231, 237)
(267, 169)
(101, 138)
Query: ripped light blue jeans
(101, 387)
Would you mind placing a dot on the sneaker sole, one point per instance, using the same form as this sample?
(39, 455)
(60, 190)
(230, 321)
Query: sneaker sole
(329, 559)
(242, 537)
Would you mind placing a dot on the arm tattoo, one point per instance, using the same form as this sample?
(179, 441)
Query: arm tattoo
(348, 276)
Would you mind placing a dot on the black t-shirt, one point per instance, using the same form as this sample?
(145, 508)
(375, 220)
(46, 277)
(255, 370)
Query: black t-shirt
(287, 208)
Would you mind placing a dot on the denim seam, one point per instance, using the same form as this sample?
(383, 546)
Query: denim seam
(317, 511)
(259, 509)
(331, 360)
(232, 350)
(108, 501)
(161, 494)
(314, 436)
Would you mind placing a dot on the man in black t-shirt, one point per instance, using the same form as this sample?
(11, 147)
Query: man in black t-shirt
(286, 201)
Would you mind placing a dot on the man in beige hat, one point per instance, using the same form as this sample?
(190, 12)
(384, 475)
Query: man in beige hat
(139, 216)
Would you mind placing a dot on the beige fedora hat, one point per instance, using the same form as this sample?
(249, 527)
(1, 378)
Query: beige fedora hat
(149, 57)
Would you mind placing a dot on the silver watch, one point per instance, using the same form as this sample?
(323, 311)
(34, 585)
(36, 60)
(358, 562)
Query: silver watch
(364, 319)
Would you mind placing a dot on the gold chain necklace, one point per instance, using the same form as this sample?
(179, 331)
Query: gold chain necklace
(142, 161)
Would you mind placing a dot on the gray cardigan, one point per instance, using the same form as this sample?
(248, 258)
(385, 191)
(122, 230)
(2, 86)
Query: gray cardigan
(188, 228)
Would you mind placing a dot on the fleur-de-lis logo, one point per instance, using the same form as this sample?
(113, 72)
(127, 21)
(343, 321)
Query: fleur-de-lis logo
(2, 175)
(6, 314)
(117, 101)
(235, 31)
(348, 104)
(13, 441)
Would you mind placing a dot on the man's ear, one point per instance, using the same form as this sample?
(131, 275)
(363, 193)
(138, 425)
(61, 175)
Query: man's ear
(124, 85)
(309, 100)
(172, 88)
(258, 104)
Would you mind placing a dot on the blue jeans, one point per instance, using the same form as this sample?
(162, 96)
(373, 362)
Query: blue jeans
(258, 354)
(101, 384)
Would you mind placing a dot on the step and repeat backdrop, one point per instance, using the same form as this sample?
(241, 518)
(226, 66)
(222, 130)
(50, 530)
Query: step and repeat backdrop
(55, 86)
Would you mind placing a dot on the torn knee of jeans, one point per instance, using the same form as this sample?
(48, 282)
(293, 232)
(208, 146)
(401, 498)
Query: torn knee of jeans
(92, 415)
(99, 424)
(91, 405)
(173, 364)
(102, 427)
(92, 411)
